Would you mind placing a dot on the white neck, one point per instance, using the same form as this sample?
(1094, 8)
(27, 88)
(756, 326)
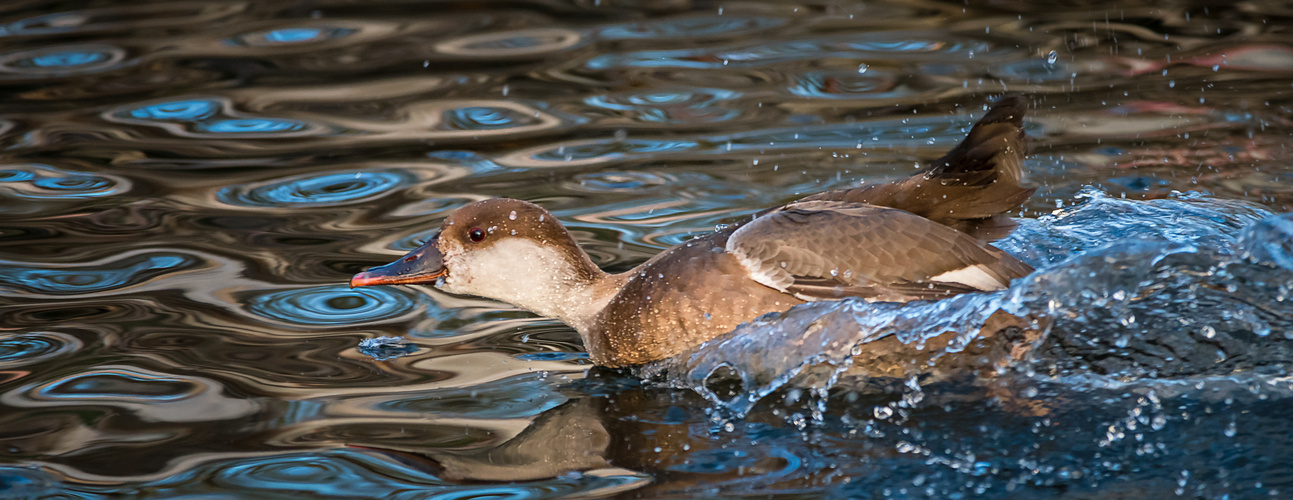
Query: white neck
(531, 276)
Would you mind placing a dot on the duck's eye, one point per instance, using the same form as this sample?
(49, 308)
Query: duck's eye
(476, 234)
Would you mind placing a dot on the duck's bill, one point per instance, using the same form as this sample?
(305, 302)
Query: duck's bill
(424, 265)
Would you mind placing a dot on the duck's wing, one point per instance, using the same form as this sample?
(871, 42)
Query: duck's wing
(827, 250)
(970, 186)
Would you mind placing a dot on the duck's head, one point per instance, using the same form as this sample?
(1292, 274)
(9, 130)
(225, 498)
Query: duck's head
(503, 249)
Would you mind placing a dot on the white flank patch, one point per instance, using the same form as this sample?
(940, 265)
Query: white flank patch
(754, 267)
(974, 276)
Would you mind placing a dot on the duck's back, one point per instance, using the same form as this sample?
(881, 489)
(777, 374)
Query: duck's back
(924, 237)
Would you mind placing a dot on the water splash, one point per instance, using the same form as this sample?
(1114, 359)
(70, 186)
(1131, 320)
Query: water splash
(1117, 309)
(386, 348)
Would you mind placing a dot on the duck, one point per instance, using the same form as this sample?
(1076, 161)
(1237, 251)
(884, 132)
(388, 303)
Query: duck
(924, 237)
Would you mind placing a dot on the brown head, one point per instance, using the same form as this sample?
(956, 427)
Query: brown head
(503, 249)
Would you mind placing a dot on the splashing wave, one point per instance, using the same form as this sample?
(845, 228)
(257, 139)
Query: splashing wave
(1190, 286)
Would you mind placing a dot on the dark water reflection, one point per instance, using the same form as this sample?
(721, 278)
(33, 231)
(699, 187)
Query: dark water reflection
(185, 188)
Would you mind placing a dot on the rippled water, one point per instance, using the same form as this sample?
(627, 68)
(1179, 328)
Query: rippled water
(186, 187)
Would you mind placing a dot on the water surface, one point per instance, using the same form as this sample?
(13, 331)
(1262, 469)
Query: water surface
(186, 187)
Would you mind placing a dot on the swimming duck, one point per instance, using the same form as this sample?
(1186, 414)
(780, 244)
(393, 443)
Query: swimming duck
(921, 238)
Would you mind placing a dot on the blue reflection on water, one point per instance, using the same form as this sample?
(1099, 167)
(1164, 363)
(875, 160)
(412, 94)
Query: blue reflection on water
(611, 182)
(333, 305)
(691, 27)
(348, 473)
(552, 356)
(26, 482)
(332, 476)
(910, 132)
(842, 85)
(212, 117)
(487, 118)
(17, 348)
(314, 190)
(291, 35)
(90, 279)
(895, 46)
(697, 105)
(251, 126)
(76, 183)
(69, 58)
(28, 348)
(117, 384)
(523, 396)
(43, 182)
(1037, 70)
(62, 60)
(286, 36)
(186, 110)
(14, 175)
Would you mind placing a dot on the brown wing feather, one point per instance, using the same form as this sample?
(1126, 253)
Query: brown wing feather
(820, 250)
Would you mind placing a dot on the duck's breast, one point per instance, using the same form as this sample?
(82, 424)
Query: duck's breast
(681, 298)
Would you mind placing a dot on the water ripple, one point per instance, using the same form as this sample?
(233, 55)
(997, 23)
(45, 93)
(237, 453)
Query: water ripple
(895, 46)
(672, 106)
(251, 127)
(112, 19)
(61, 60)
(292, 35)
(621, 182)
(691, 27)
(529, 42)
(183, 110)
(523, 396)
(153, 396)
(35, 181)
(65, 280)
(590, 152)
(352, 474)
(335, 305)
(211, 118)
(871, 84)
(315, 190)
(488, 118)
(28, 348)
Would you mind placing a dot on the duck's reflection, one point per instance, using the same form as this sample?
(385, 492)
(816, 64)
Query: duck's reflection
(611, 422)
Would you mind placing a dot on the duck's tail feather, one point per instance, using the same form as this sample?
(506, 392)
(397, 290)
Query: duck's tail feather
(969, 187)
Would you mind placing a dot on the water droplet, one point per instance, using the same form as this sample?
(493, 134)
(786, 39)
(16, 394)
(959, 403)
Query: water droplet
(883, 412)
(512, 215)
(1052, 57)
(862, 68)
